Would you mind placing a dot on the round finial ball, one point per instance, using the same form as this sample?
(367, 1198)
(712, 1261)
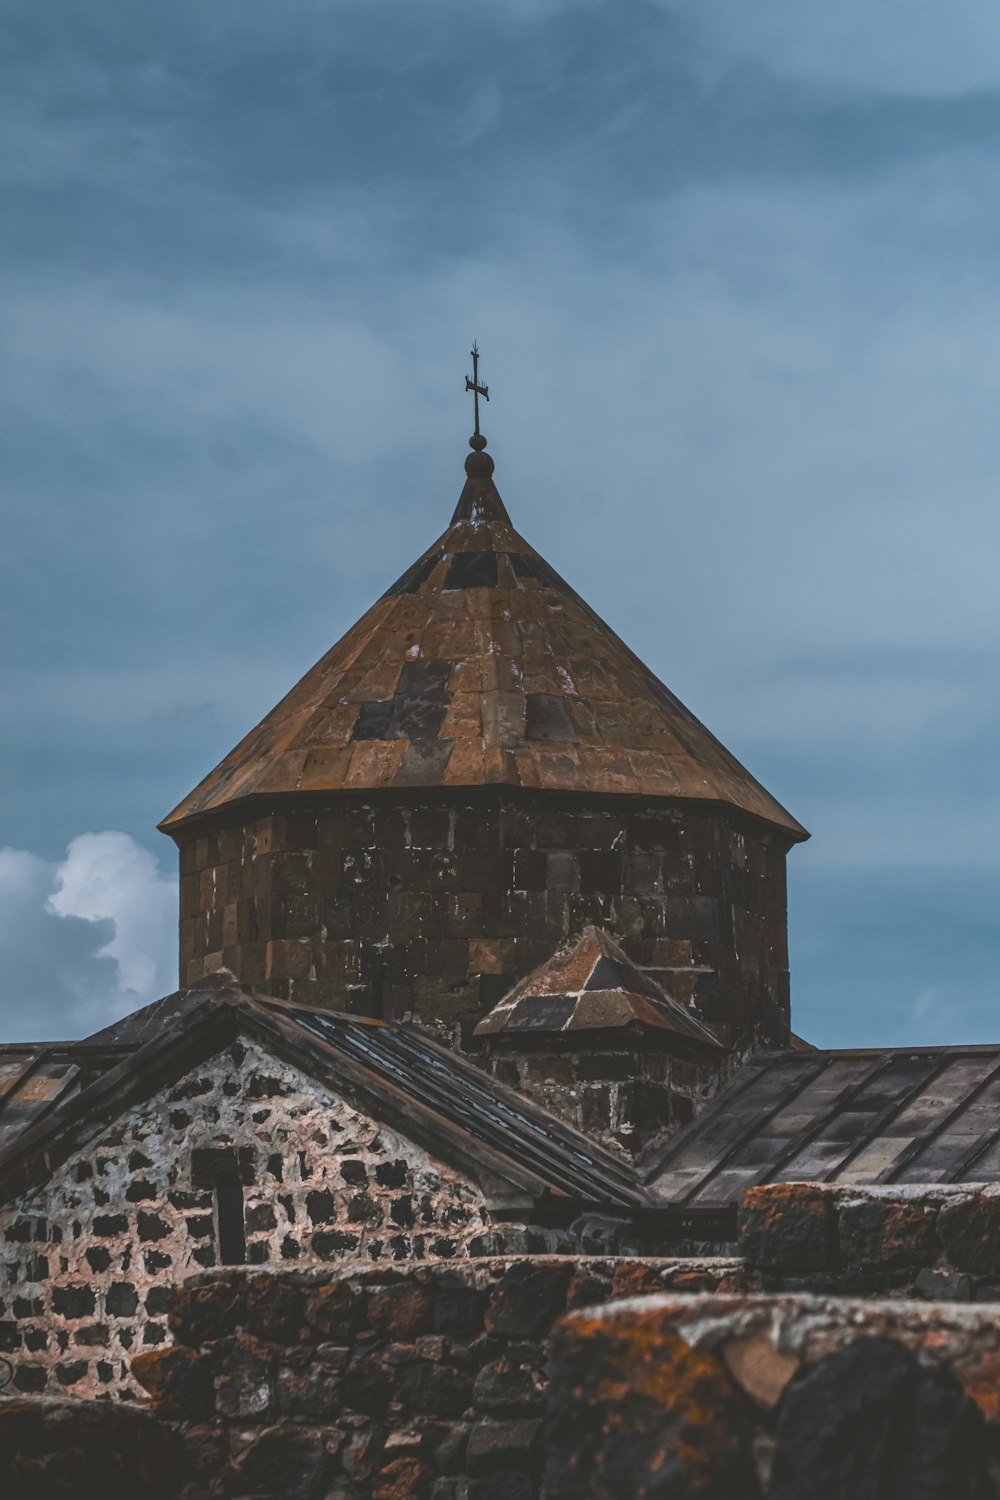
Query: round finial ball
(478, 442)
(479, 465)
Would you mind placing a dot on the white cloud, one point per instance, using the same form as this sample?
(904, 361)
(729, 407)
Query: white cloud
(109, 877)
(83, 940)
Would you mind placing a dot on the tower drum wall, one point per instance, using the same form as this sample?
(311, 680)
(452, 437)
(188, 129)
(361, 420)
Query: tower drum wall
(431, 907)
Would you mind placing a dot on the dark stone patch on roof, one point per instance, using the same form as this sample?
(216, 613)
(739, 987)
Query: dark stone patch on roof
(607, 975)
(424, 679)
(373, 721)
(530, 565)
(416, 719)
(425, 763)
(472, 570)
(547, 718)
(542, 1013)
(416, 712)
(414, 577)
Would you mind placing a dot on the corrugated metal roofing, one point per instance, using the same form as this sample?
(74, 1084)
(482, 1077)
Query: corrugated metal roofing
(920, 1115)
(480, 667)
(470, 1100)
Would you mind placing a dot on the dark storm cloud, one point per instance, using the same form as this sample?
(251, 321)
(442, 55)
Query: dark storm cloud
(733, 271)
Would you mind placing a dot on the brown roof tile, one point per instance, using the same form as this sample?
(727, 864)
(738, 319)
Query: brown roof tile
(481, 665)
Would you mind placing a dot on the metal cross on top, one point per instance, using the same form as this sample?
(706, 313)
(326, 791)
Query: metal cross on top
(474, 386)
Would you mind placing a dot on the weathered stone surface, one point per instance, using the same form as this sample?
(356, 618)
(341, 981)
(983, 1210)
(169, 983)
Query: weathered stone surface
(970, 1233)
(503, 1447)
(67, 1450)
(402, 1479)
(434, 1390)
(245, 1384)
(635, 1410)
(284, 1461)
(400, 1312)
(528, 1298)
(958, 1345)
(177, 1380)
(791, 1227)
(334, 1311)
(880, 1234)
(506, 1385)
(871, 1423)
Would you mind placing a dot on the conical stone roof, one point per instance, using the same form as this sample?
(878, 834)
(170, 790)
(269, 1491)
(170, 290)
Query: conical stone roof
(590, 985)
(482, 667)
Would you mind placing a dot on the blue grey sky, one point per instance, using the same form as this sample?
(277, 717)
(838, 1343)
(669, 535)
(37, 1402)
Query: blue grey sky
(734, 270)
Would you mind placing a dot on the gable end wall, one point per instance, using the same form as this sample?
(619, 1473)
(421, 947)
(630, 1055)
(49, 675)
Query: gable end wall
(88, 1259)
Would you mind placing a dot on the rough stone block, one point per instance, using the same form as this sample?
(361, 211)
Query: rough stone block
(496, 1447)
(178, 1380)
(882, 1234)
(790, 1227)
(970, 1233)
(528, 1298)
(869, 1419)
(635, 1410)
(400, 1312)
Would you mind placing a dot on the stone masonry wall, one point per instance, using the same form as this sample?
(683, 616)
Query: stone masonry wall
(370, 1382)
(439, 907)
(89, 1258)
(940, 1243)
(511, 1379)
(625, 1097)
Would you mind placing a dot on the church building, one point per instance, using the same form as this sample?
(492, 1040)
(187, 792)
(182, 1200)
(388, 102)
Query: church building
(483, 949)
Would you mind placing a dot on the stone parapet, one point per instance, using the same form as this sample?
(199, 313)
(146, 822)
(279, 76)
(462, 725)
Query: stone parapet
(735, 1398)
(928, 1242)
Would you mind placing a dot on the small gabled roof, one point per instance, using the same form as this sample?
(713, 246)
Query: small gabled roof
(590, 985)
(481, 667)
(921, 1115)
(513, 1149)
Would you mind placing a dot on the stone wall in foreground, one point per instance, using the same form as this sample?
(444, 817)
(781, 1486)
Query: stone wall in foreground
(370, 1382)
(783, 1397)
(505, 1380)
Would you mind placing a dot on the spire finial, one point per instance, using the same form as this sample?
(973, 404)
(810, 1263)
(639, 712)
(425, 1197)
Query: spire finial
(477, 441)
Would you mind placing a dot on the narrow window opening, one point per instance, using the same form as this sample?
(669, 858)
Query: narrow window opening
(229, 1217)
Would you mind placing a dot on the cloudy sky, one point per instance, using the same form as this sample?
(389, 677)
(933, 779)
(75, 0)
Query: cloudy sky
(735, 270)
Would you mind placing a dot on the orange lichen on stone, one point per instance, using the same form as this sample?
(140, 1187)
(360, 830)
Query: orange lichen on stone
(633, 1280)
(791, 1226)
(639, 1356)
(980, 1379)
